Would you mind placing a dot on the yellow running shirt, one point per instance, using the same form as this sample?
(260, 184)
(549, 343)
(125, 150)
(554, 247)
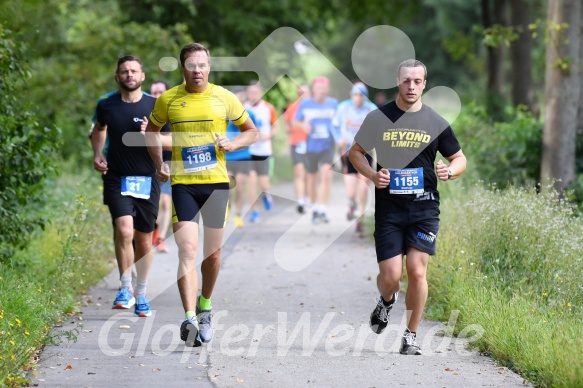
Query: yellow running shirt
(194, 118)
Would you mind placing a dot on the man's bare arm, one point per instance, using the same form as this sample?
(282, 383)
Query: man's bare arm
(356, 154)
(98, 137)
(248, 136)
(154, 143)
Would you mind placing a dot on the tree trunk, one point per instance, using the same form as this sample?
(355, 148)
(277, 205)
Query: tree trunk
(493, 13)
(562, 90)
(521, 55)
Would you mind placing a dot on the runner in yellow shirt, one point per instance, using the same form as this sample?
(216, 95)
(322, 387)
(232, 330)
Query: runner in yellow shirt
(198, 112)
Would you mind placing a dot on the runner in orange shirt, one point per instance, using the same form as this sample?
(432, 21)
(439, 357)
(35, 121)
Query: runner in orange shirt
(297, 140)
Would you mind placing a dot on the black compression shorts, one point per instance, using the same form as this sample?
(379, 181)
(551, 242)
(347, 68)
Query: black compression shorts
(210, 200)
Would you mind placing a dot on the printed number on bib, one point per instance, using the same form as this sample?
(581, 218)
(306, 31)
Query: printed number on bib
(199, 158)
(136, 186)
(407, 181)
(320, 131)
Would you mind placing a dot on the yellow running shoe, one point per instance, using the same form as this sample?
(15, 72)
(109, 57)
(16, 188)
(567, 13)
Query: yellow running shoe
(238, 221)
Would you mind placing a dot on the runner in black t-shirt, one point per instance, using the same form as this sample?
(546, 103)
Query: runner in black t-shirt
(130, 184)
(406, 135)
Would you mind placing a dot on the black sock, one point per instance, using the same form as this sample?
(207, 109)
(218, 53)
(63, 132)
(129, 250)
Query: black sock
(389, 303)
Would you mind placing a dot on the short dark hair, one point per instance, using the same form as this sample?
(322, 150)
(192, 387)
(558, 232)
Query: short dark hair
(159, 81)
(128, 58)
(190, 48)
(411, 63)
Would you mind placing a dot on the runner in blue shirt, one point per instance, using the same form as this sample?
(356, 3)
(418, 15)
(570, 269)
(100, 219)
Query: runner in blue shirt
(238, 163)
(315, 116)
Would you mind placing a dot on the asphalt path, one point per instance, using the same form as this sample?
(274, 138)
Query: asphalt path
(291, 308)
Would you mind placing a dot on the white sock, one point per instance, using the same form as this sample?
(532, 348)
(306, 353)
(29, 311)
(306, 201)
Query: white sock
(141, 287)
(126, 281)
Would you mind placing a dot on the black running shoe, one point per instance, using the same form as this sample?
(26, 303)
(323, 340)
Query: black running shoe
(189, 333)
(379, 318)
(409, 345)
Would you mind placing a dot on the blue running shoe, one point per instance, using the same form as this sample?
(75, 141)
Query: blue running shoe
(124, 299)
(267, 201)
(254, 217)
(143, 306)
(204, 318)
(189, 333)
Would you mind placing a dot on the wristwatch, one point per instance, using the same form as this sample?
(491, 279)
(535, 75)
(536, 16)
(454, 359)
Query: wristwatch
(449, 174)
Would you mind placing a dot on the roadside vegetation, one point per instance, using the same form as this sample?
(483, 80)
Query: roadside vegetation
(42, 282)
(509, 259)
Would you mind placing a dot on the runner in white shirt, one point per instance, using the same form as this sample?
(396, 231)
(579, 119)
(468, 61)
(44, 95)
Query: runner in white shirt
(348, 119)
(260, 164)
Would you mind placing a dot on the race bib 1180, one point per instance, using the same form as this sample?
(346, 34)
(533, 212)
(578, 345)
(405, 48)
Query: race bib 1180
(136, 186)
(407, 181)
(199, 158)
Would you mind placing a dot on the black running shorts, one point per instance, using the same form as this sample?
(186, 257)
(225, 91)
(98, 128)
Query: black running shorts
(416, 227)
(210, 200)
(261, 167)
(296, 157)
(144, 211)
(238, 167)
(313, 160)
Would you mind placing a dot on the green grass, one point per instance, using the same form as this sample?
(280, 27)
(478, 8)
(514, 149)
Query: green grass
(44, 281)
(510, 261)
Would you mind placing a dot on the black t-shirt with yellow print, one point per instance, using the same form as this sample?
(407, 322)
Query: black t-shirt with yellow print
(406, 140)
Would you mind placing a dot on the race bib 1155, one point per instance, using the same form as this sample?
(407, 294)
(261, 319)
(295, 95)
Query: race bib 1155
(407, 181)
